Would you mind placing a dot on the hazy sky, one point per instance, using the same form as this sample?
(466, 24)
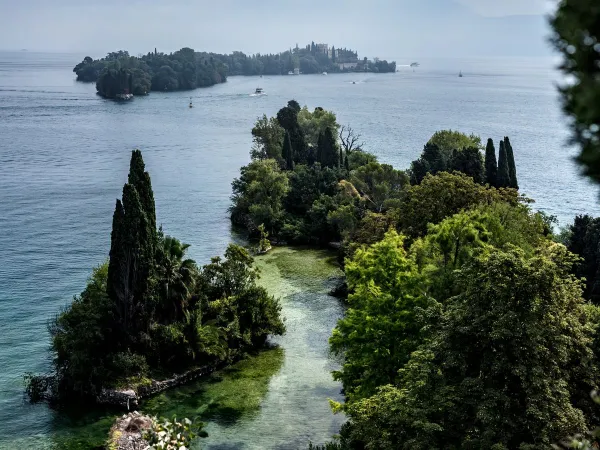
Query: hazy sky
(384, 28)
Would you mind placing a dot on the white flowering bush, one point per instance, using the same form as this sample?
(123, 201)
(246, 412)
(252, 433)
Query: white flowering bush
(172, 435)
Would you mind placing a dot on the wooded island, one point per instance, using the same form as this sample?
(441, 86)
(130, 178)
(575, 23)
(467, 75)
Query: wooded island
(119, 73)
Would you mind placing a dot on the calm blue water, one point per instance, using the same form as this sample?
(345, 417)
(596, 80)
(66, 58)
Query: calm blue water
(64, 156)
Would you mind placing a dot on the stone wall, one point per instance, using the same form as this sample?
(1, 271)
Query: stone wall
(128, 399)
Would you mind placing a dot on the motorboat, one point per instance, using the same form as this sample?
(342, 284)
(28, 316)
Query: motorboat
(460, 75)
(324, 73)
(259, 91)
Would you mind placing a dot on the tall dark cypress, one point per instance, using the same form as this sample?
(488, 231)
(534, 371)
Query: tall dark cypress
(116, 287)
(140, 179)
(132, 251)
(329, 156)
(503, 175)
(288, 120)
(512, 168)
(288, 152)
(491, 165)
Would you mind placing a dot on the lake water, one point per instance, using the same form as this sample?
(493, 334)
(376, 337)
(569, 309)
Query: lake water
(64, 155)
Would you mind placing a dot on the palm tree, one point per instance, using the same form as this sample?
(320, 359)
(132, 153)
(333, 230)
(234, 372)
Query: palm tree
(176, 275)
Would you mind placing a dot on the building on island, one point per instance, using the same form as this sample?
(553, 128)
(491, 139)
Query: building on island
(347, 65)
(322, 48)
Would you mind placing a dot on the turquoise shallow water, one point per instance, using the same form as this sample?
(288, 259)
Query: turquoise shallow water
(63, 160)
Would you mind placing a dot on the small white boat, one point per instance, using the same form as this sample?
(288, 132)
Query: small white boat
(324, 73)
(259, 91)
(290, 73)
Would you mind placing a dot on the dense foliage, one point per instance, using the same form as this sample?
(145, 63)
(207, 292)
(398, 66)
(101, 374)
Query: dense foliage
(449, 151)
(119, 73)
(468, 326)
(151, 310)
(576, 25)
(310, 182)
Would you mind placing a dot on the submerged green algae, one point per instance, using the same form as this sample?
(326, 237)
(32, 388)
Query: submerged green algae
(223, 396)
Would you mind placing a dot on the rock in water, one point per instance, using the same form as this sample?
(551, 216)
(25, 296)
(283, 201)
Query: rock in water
(126, 433)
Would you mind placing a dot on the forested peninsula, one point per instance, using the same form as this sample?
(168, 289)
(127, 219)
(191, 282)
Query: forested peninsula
(468, 323)
(119, 73)
(150, 311)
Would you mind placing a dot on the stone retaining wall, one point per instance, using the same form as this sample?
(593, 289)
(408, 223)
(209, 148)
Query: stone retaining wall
(129, 398)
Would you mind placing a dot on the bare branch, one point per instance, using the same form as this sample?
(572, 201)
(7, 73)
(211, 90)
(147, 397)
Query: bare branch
(349, 139)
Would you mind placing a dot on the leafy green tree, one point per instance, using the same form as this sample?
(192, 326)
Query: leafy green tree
(503, 173)
(258, 196)
(327, 149)
(380, 329)
(576, 25)
(379, 184)
(306, 184)
(468, 161)
(491, 165)
(496, 347)
(449, 140)
(432, 160)
(267, 137)
(236, 303)
(358, 158)
(453, 243)
(512, 168)
(444, 195)
(316, 122)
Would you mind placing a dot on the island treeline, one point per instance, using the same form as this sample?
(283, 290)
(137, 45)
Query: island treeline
(120, 73)
(468, 323)
(150, 310)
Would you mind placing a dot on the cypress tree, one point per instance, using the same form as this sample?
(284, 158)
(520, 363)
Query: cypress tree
(503, 179)
(329, 156)
(288, 152)
(288, 120)
(346, 165)
(132, 251)
(491, 165)
(512, 168)
(140, 179)
(341, 162)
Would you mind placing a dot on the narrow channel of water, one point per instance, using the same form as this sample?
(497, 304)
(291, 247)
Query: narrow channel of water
(276, 400)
